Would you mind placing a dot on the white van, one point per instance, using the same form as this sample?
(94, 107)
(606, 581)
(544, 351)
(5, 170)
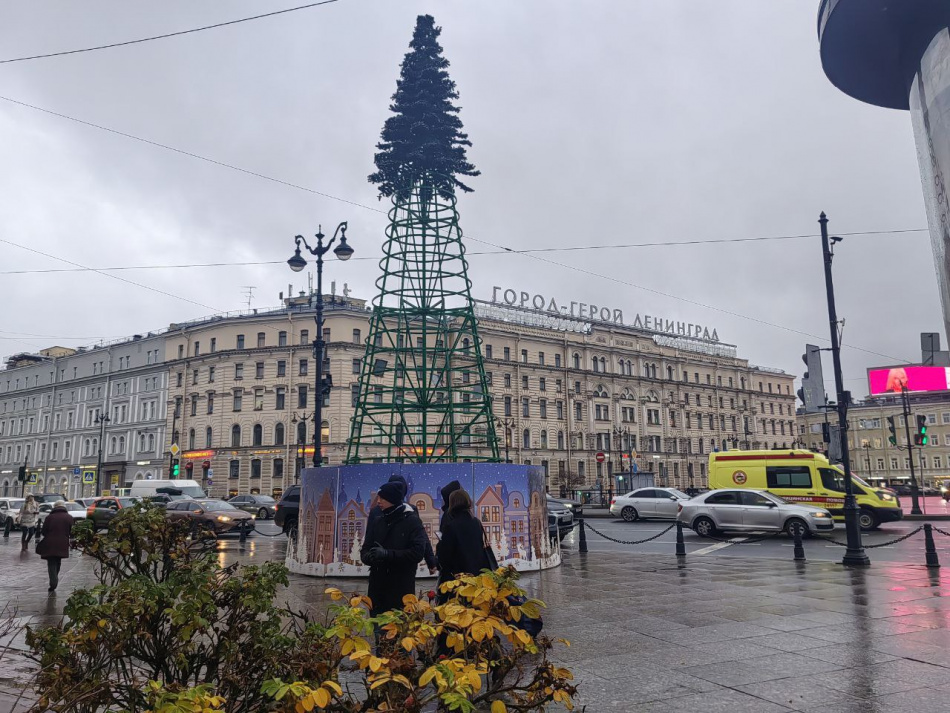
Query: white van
(149, 488)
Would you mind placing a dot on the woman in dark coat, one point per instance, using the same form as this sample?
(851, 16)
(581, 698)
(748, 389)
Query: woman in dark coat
(462, 547)
(54, 546)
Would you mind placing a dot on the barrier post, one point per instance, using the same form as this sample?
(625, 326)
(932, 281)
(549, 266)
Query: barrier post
(582, 541)
(930, 548)
(6, 526)
(680, 544)
(243, 533)
(799, 548)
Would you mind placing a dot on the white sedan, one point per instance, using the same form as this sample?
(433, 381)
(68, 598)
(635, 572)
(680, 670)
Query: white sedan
(648, 503)
(76, 511)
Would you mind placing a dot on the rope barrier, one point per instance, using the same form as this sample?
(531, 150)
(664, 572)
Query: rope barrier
(942, 532)
(875, 546)
(626, 542)
(267, 534)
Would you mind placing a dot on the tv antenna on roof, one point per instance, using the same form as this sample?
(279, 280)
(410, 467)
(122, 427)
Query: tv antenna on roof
(250, 293)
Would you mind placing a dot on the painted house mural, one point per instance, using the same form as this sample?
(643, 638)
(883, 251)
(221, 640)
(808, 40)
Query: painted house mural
(508, 499)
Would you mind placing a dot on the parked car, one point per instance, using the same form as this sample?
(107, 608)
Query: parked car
(9, 509)
(575, 506)
(262, 507)
(86, 502)
(648, 503)
(103, 510)
(755, 510)
(48, 497)
(75, 509)
(217, 515)
(560, 520)
(287, 511)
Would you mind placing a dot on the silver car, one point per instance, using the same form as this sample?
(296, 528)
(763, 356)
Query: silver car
(756, 510)
(648, 503)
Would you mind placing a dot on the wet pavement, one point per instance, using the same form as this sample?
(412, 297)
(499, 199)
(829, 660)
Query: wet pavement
(718, 633)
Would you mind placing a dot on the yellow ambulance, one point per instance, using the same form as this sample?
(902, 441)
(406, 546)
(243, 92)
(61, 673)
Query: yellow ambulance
(804, 477)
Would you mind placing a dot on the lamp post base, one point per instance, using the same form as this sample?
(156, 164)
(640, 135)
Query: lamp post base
(854, 555)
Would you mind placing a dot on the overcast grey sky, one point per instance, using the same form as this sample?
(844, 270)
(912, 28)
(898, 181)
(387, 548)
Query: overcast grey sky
(593, 123)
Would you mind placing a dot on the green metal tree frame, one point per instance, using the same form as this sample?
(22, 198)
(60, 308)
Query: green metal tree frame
(424, 396)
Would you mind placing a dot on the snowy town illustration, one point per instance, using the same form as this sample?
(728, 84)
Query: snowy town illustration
(335, 504)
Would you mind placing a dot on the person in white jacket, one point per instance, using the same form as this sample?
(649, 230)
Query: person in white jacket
(27, 518)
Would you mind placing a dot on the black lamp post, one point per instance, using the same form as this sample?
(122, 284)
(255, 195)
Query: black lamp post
(297, 263)
(854, 553)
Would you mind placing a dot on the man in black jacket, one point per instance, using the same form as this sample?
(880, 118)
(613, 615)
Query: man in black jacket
(431, 562)
(394, 546)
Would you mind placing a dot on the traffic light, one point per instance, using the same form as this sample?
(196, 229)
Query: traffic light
(893, 431)
(812, 392)
(21, 474)
(189, 468)
(176, 468)
(921, 438)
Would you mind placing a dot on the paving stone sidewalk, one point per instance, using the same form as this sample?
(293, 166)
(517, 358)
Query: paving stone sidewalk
(649, 634)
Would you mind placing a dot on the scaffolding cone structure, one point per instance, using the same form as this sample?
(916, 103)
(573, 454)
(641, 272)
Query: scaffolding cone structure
(423, 391)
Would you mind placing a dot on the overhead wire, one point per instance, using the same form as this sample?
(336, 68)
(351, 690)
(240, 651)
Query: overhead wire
(166, 35)
(503, 251)
(499, 248)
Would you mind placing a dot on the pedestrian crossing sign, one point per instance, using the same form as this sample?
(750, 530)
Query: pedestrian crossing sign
(89, 476)
(32, 479)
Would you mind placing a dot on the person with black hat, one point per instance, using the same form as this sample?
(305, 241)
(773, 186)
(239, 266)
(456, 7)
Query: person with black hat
(431, 561)
(394, 546)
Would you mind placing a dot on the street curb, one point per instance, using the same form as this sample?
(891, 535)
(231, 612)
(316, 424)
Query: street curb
(927, 517)
(598, 514)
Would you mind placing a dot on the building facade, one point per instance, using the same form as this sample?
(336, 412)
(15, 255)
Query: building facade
(240, 400)
(872, 455)
(583, 398)
(61, 410)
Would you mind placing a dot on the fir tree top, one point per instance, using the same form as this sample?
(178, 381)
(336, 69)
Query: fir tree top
(424, 135)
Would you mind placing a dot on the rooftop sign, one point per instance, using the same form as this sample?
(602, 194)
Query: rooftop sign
(586, 312)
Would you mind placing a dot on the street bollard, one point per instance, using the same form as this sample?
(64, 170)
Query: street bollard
(799, 548)
(930, 548)
(6, 527)
(680, 543)
(582, 543)
(243, 533)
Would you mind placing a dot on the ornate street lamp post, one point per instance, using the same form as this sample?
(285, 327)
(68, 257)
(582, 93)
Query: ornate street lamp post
(297, 263)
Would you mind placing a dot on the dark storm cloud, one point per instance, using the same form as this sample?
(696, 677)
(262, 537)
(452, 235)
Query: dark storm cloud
(592, 123)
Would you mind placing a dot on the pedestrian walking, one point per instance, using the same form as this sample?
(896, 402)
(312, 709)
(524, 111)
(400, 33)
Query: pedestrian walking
(26, 519)
(462, 547)
(431, 561)
(54, 547)
(394, 545)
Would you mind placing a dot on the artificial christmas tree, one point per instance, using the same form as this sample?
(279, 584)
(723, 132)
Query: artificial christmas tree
(423, 390)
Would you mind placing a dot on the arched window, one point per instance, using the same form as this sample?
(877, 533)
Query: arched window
(544, 439)
(577, 361)
(279, 434)
(466, 344)
(121, 444)
(646, 370)
(235, 436)
(420, 505)
(669, 373)
(600, 392)
(257, 435)
(208, 434)
(603, 364)
(560, 440)
(595, 364)
(301, 431)
(151, 443)
(653, 370)
(114, 445)
(325, 432)
(191, 439)
(526, 439)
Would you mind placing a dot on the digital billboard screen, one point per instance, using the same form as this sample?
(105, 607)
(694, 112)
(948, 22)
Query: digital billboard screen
(915, 378)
